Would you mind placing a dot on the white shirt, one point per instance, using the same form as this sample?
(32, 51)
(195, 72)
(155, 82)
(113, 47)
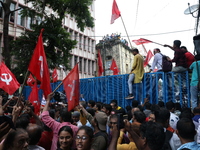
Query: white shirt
(173, 120)
(157, 61)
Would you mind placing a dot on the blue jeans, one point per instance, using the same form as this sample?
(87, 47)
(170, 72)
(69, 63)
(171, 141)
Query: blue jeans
(130, 82)
(194, 96)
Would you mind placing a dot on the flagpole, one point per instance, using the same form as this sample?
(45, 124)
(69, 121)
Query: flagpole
(57, 87)
(126, 31)
(20, 94)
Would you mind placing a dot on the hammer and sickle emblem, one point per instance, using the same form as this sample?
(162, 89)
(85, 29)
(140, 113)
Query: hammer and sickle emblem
(73, 88)
(41, 66)
(5, 79)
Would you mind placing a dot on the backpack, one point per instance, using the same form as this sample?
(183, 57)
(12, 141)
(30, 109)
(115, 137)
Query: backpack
(166, 64)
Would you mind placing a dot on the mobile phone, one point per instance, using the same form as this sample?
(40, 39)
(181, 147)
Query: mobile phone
(120, 121)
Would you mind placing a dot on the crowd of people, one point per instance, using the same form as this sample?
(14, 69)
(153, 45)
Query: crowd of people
(96, 126)
(111, 40)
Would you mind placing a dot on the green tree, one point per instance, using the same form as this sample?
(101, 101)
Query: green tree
(57, 42)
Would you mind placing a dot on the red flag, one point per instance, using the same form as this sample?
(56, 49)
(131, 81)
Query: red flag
(34, 98)
(55, 75)
(71, 87)
(30, 81)
(115, 12)
(141, 41)
(100, 64)
(39, 68)
(114, 67)
(148, 58)
(8, 82)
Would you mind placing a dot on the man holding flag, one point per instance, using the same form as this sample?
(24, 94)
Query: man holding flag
(136, 73)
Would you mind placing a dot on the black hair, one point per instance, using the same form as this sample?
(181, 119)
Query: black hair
(177, 43)
(161, 104)
(139, 116)
(23, 121)
(178, 106)
(8, 142)
(92, 102)
(128, 108)
(170, 105)
(108, 107)
(154, 134)
(184, 47)
(65, 115)
(99, 106)
(114, 101)
(147, 105)
(88, 131)
(52, 113)
(34, 134)
(136, 50)
(135, 103)
(154, 107)
(197, 57)
(91, 111)
(67, 129)
(162, 115)
(157, 49)
(196, 110)
(186, 128)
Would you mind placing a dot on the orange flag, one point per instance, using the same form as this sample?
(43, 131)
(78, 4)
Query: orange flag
(148, 58)
(115, 12)
(114, 67)
(100, 64)
(39, 68)
(8, 82)
(71, 87)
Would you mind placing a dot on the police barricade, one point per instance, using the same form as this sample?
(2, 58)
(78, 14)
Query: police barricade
(158, 86)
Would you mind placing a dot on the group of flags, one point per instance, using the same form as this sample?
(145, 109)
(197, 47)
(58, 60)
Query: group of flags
(113, 66)
(38, 68)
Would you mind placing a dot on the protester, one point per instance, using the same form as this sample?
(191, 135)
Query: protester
(194, 81)
(136, 73)
(189, 56)
(179, 57)
(157, 61)
(65, 138)
(84, 138)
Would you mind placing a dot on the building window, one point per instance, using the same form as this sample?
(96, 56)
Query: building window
(89, 67)
(85, 65)
(75, 60)
(80, 41)
(38, 20)
(89, 44)
(76, 38)
(12, 15)
(84, 43)
(29, 22)
(20, 19)
(80, 64)
(92, 46)
(1, 9)
(71, 34)
(92, 67)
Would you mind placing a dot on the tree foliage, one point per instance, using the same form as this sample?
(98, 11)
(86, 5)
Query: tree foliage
(57, 42)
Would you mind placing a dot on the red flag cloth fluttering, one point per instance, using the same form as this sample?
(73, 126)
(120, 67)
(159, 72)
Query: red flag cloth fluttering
(8, 82)
(114, 67)
(55, 75)
(39, 68)
(71, 87)
(30, 81)
(141, 41)
(100, 64)
(148, 58)
(34, 98)
(115, 12)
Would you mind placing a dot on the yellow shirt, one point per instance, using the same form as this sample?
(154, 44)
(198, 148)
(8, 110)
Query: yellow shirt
(138, 68)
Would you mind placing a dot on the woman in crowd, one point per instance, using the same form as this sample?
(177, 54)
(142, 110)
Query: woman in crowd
(84, 138)
(65, 138)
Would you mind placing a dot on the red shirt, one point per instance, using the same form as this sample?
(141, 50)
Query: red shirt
(190, 58)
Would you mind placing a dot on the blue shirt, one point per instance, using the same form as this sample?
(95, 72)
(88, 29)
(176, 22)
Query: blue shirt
(193, 67)
(190, 145)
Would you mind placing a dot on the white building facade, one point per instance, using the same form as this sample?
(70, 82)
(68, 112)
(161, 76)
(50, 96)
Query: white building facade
(84, 52)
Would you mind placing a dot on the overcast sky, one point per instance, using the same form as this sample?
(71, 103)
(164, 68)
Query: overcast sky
(146, 18)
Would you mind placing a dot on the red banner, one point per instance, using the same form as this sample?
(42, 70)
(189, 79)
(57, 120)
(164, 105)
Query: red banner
(100, 64)
(71, 86)
(148, 58)
(141, 41)
(55, 75)
(30, 81)
(114, 67)
(39, 68)
(115, 12)
(8, 82)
